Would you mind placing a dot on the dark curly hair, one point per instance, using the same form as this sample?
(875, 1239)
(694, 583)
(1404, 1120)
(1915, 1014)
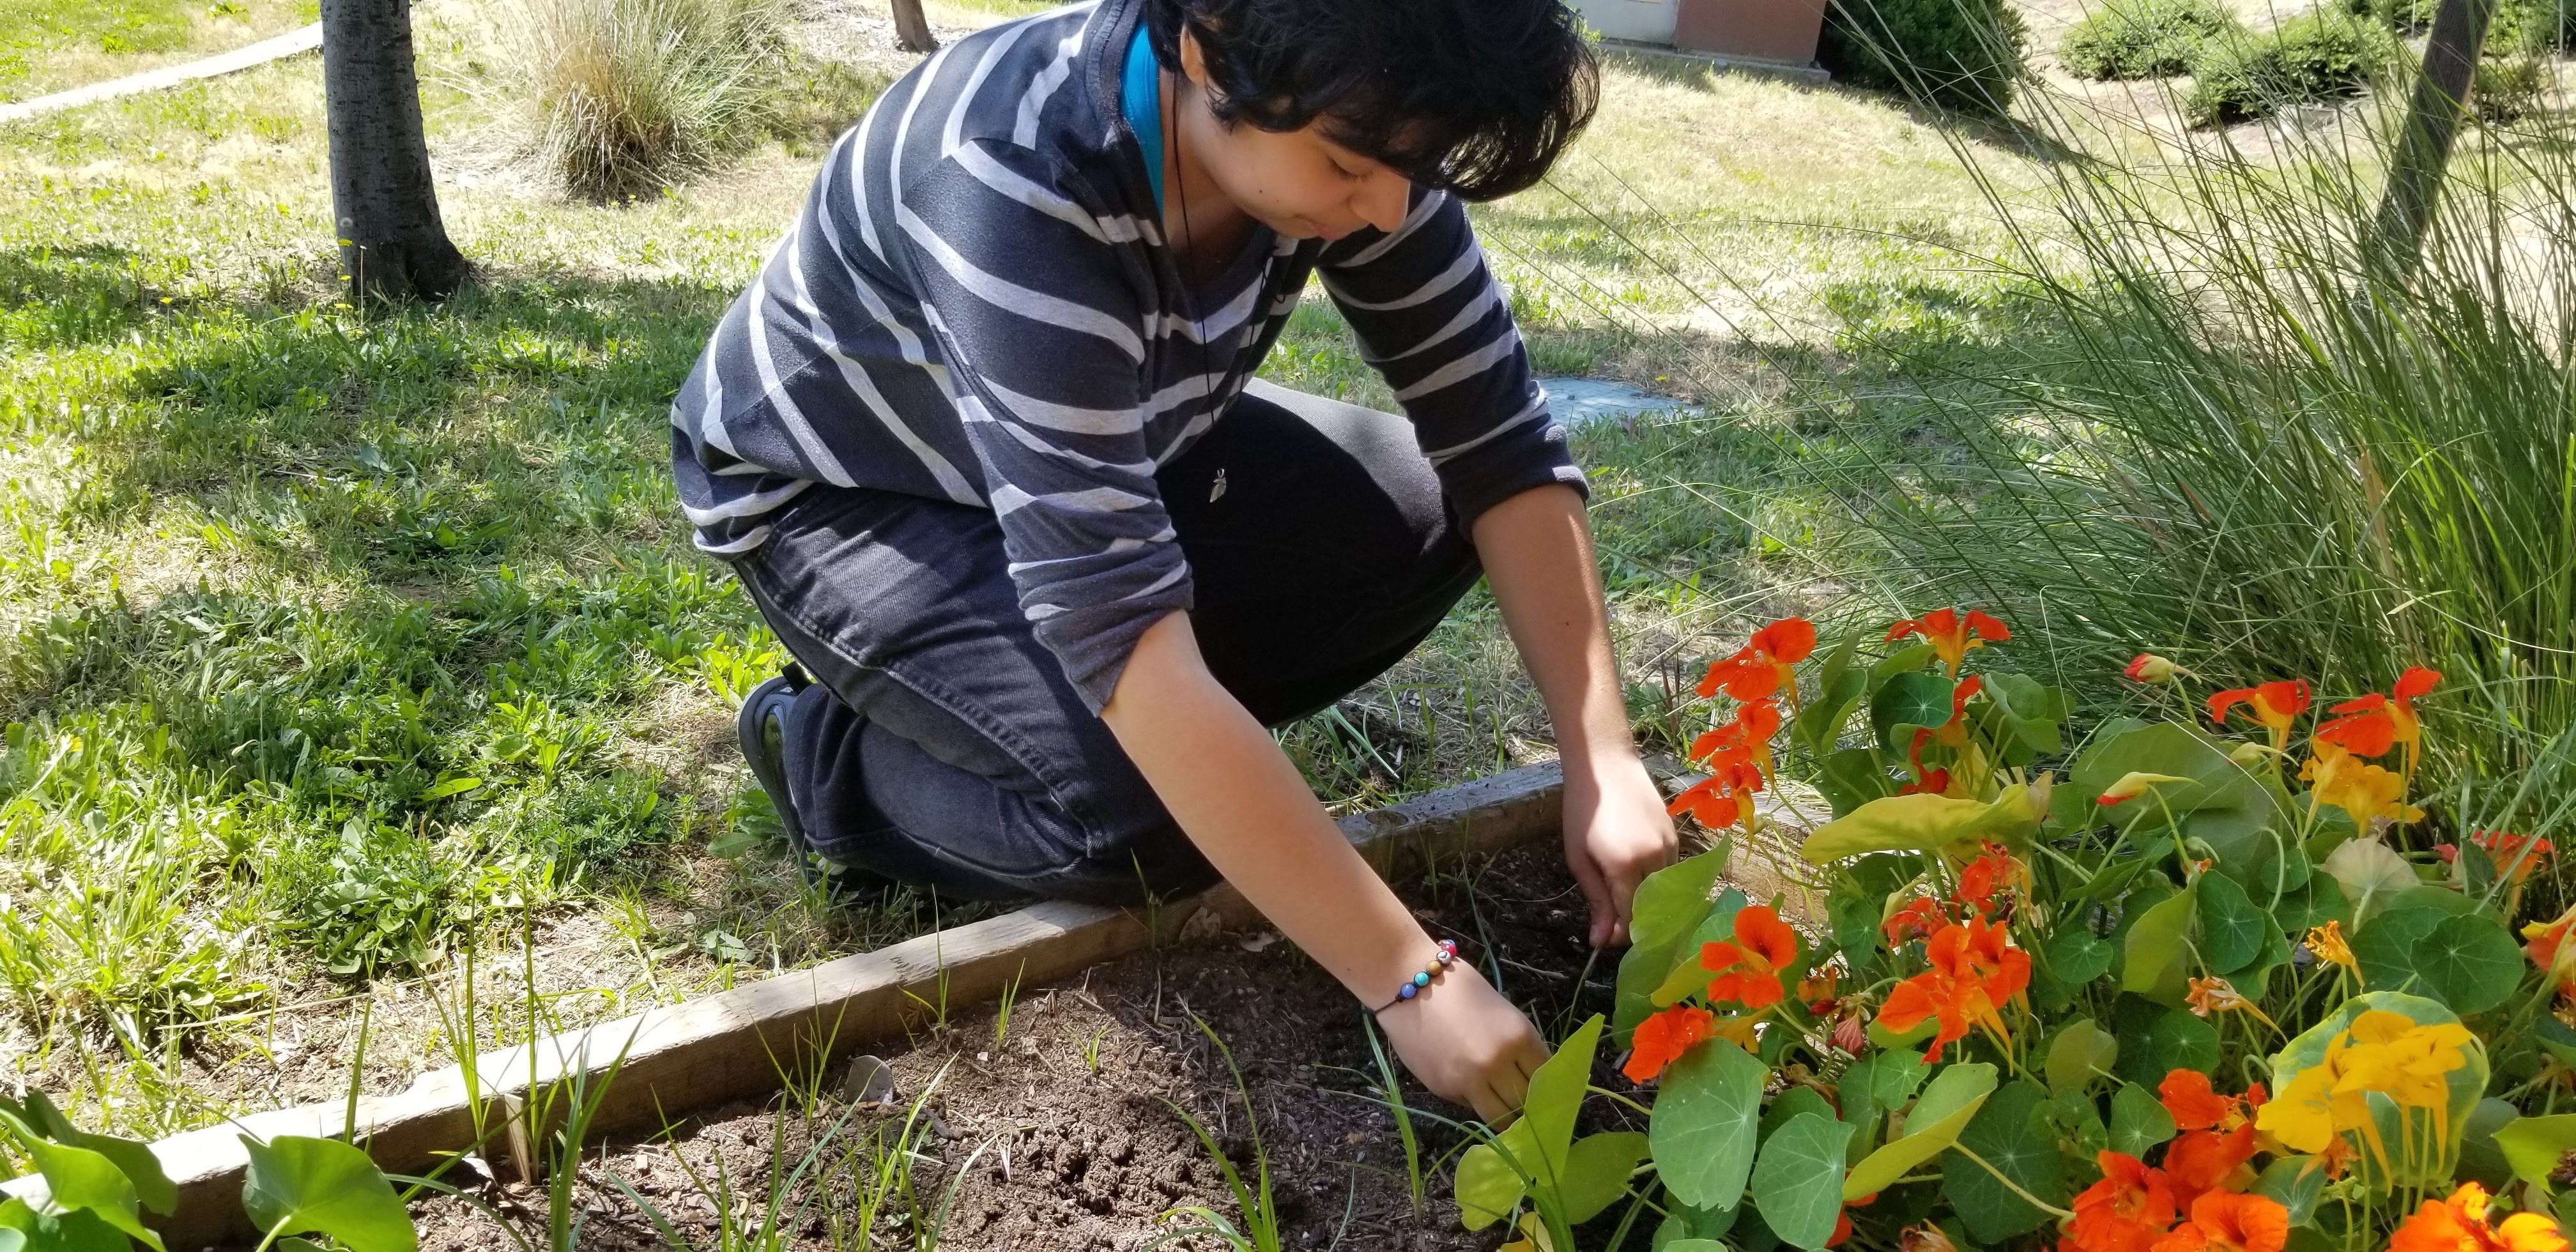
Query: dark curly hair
(1474, 96)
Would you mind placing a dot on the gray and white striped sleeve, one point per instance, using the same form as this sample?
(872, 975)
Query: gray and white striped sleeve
(1431, 318)
(1039, 304)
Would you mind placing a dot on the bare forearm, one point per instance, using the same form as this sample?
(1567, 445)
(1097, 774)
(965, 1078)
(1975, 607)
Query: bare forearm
(1250, 813)
(1537, 552)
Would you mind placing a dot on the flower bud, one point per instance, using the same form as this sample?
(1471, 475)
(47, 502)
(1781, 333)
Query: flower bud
(2147, 667)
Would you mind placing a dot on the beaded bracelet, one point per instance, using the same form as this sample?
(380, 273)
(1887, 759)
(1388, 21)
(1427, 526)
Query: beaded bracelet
(1413, 986)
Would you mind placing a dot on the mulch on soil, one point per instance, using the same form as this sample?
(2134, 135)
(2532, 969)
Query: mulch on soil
(1056, 1153)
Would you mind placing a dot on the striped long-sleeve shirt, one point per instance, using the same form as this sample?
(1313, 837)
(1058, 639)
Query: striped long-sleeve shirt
(977, 304)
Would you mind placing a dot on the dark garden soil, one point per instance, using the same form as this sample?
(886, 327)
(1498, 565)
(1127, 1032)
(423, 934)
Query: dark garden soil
(1060, 1153)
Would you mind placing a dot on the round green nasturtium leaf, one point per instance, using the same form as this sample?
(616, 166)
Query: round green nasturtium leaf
(2372, 875)
(1686, 1229)
(1798, 1180)
(2006, 1136)
(2079, 1053)
(133, 1157)
(1908, 702)
(2418, 945)
(1949, 1103)
(1703, 1126)
(2078, 956)
(298, 1184)
(2533, 1146)
(2157, 954)
(2139, 1121)
(2295, 1181)
(78, 1178)
(2482, 1158)
(1671, 904)
(1492, 1177)
(1926, 823)
(2231, 924)
(1596, 1172)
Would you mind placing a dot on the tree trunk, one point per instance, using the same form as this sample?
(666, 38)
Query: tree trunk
(912, 29)
(392, 243)
(2432, 121)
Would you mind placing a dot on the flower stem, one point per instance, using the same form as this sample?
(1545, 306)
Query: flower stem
(2010, 1185)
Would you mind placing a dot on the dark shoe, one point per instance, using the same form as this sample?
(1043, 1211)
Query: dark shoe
(762, 727)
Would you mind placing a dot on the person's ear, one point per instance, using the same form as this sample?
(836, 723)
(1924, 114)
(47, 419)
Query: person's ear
(1194, 65)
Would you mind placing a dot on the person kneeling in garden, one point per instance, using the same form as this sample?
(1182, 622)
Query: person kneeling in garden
(983, 442)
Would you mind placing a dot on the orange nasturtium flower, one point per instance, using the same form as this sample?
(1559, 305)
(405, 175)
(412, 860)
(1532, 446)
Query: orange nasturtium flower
(2125, 1212)
(1765, 664)
(2459, 1224)
(1662, 1038)
(1919, 916)
(1951, 634)
(2515, 856)
(2236, 1223)
(2416, 683)
(2365, 728)
(1975, 970)
(2550, 951)
(2217, 995)
(1993, 871)
(2275, 704)
(1748, 970)
(2202, 1161)
(2195, 1105)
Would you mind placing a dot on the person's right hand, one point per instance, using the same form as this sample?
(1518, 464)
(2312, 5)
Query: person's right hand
(1467, 1043)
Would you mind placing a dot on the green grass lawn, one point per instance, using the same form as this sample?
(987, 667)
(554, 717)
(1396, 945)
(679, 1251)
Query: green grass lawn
(48, 45)
(332, 642)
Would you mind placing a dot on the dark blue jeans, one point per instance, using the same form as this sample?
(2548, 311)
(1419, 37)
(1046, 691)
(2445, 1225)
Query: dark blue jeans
(942, 746)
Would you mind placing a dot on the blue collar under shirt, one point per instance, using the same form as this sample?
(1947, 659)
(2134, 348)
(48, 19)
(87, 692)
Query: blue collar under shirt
(1140, 97)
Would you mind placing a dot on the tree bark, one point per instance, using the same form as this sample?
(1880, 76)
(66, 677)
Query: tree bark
(912, 28)
(2423, 153)
(392, 243)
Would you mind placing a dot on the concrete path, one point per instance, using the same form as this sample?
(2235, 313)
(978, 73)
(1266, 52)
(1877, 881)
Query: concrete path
(261, 53)
(1579, 402)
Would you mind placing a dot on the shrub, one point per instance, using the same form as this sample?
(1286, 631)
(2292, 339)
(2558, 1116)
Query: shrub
(623, 96)
(2316, 56)
(1958, 54)
(2530, 27)
(2143, 38)
(2508, 88)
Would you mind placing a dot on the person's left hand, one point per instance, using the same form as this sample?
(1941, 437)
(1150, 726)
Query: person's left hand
(1616, 833)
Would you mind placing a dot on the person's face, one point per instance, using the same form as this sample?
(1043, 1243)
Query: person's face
(1297, 182)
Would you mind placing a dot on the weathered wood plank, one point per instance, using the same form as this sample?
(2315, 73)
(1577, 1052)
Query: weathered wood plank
(736, 1043)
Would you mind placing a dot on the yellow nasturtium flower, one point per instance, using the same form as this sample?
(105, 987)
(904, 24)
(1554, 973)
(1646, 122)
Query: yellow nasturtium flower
(2383, 1052)
(2357, 787)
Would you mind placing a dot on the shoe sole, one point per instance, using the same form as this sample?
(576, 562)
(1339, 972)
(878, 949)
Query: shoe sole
(751, 727)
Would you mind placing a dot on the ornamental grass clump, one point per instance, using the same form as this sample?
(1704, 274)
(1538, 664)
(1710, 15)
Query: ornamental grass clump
(2238, 421)
(621, 97)
(2208, 979)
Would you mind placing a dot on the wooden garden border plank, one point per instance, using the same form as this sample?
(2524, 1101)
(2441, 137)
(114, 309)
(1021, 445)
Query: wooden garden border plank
(689, 1056)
